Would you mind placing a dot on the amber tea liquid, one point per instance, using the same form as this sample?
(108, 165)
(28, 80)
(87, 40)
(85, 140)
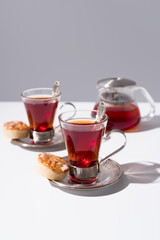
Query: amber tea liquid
(122, 117)
(83, 142)
(41, 112)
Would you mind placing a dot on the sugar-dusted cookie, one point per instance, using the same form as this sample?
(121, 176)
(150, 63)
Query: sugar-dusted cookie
(15, 130)
(51, 166)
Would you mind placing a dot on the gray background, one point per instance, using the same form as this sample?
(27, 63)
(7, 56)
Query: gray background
(78, 42)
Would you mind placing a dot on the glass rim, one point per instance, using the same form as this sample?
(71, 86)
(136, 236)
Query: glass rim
(72, 111)
(34, 89)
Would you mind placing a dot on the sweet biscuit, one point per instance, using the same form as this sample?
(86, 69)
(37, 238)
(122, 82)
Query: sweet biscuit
(51, 166)
(15, 130)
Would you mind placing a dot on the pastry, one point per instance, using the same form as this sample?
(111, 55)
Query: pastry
(15, 130)
(51, 166)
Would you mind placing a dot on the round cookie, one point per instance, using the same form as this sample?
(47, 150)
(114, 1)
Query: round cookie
(51, 166)
(15, 130)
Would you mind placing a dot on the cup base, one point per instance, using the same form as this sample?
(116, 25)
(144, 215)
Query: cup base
(41, 137)
(83, 175)
(80, 181)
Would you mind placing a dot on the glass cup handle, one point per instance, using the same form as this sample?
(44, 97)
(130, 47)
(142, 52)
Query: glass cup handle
(117, 150)
(58, 128)
(68, 103)
(150, 101)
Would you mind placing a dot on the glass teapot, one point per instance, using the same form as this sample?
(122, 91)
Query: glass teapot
(121, 107)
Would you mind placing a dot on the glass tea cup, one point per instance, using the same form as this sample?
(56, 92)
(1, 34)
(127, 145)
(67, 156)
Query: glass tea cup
(41, 106)
(83, 138)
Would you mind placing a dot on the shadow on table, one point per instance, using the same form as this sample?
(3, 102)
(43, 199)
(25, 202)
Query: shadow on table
(136, 172)
(146, 125)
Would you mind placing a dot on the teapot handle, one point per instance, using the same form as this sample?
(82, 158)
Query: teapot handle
(150, 101)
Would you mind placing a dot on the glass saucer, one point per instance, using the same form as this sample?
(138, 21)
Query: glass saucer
(26, 142)
(110, 173)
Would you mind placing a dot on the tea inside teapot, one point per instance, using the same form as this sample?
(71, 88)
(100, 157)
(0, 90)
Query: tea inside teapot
(122, 112)
(121, 107)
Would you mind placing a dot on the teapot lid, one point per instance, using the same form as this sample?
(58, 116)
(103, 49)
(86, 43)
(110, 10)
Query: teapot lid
(115, 82)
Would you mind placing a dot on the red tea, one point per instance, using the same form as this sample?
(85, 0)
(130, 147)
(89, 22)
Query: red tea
(41, 112)
(122, 117)
(83, 142)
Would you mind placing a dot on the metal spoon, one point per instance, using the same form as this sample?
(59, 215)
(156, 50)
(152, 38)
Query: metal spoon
(100, 111)
(56, 87)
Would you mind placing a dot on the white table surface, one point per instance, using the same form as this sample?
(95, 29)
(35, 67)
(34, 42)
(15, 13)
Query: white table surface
(30, 208)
